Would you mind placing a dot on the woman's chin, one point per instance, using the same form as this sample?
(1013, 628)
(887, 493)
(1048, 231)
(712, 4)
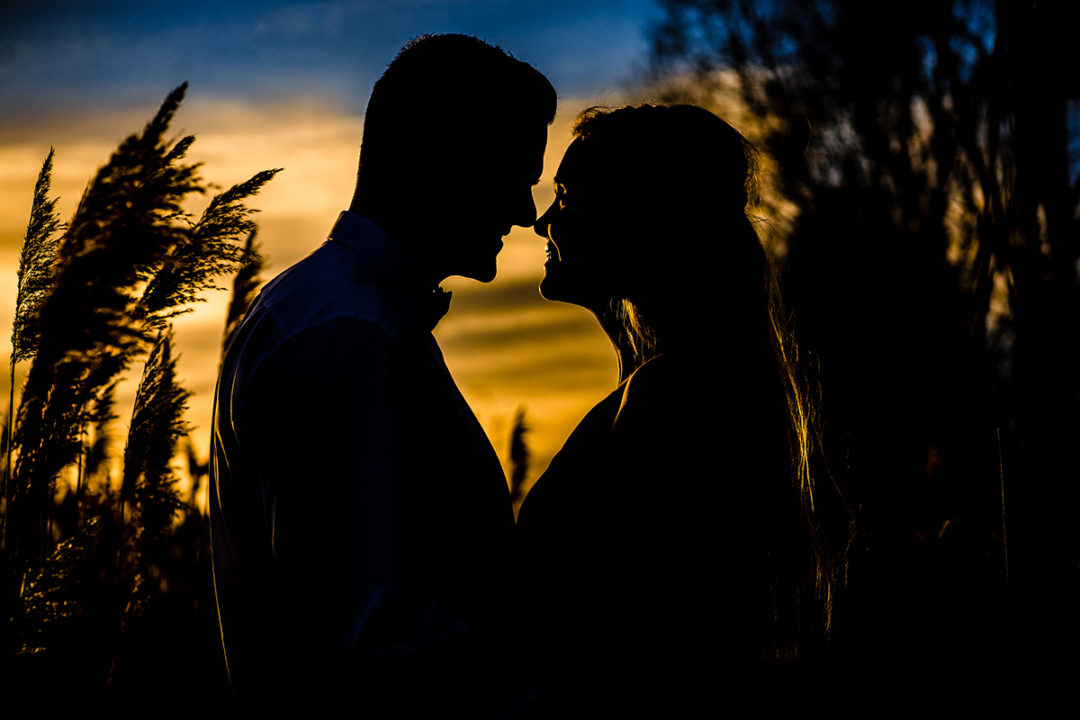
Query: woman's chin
(546, 288)
(554, 288)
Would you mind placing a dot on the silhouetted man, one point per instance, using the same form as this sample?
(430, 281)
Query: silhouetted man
(360, 516)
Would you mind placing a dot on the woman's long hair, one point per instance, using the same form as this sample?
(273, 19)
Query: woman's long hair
(688, 178)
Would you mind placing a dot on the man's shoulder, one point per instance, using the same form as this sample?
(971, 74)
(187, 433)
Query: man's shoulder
(330, 284)
(327, 305)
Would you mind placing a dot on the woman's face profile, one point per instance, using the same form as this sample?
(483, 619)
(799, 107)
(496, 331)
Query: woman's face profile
(582, 254)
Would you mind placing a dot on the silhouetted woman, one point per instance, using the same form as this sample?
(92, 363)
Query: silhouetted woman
(669, 556)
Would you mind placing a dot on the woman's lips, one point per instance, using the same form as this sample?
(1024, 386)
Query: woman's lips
(552, 252)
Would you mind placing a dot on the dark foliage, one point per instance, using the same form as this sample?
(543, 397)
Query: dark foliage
(108, 586)
(37, 265)
(932, 265)
(519, 457)
(157, 425)
(209, 249)
(122, 231)
(149, 484)
(245, 287)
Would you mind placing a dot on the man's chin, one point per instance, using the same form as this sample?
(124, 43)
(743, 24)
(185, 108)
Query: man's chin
(480, 266)
(552, 289)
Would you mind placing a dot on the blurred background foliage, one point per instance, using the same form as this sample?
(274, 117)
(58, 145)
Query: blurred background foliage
(925, 154)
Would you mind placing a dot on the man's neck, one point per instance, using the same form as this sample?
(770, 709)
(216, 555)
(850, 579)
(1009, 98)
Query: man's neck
(402, 232)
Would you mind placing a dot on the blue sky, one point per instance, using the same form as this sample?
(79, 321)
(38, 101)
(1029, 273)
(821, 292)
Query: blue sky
(66, 54)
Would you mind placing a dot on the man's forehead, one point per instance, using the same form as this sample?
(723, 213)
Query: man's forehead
(521, 137)
(521, 147)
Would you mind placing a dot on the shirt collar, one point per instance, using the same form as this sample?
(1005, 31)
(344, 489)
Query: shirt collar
(395, 266)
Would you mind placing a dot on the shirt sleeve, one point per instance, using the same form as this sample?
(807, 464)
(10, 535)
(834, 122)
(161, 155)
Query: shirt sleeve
(327, 418)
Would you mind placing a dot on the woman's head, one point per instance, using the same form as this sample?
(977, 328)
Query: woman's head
(650, 216)
(649, 230)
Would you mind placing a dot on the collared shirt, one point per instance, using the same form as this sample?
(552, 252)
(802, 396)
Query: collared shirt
(361, 520)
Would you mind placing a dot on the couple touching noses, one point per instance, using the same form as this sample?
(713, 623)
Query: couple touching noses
(364, 545)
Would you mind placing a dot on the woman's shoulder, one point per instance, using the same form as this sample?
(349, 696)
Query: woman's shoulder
(573, 471)
(670, 370)
(664, 389)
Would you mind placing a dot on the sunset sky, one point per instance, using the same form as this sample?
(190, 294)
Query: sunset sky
(279, 84)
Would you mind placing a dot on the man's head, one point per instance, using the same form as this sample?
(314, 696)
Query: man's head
(454, 138)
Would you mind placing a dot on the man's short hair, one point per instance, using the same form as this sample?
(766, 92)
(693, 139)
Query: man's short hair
(444, 89)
